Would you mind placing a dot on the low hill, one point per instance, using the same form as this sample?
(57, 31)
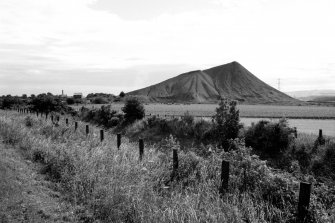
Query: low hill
(231, 81)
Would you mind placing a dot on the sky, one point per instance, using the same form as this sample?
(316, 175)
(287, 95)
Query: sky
(123, 45)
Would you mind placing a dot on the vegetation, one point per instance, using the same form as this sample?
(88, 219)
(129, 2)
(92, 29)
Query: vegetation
(100, 98)
(269, 139)
(122, 94)
(104, 116)
(9, 102)
(251, 111)
(133, 110)
(226, 122)
(110, 185)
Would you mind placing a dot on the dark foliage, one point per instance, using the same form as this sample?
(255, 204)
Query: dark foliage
(269, 139)
(70, 101)
(103, 116)
(324, 167)
(8, 102)
(100, 100)
(226, 122)
(133, 110)
(122, 94)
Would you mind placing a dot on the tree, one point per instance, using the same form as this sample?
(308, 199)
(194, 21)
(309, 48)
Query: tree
(10, 102)
(46, 103)
(133, 110)
(122, 94)
(226, 122)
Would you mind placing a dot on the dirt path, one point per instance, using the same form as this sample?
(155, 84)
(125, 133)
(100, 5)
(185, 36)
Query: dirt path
(24, 194)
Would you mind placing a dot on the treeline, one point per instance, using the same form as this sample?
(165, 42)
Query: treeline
(43, 103)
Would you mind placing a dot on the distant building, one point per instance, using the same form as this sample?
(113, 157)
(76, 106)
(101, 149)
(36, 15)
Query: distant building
(63, 95)
(77, 95)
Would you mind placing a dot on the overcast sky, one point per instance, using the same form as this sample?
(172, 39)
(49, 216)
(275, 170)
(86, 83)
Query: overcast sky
(113, 45)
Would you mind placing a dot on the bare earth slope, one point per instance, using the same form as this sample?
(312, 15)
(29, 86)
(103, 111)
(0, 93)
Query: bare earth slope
(231, 80)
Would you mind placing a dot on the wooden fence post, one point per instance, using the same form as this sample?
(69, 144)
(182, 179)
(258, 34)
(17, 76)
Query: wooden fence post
(321, 140)
(295, 132)
(304, 198)
(118, 140)
(175, 163)
(101, 135)
(87, 130)
(75, 126)
(224, 175)
(67, 121)
(141, 148)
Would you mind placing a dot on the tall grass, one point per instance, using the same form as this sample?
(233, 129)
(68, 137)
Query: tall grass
(110, 185)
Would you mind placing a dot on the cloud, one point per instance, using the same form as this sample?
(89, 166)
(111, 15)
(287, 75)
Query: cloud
(94, 39)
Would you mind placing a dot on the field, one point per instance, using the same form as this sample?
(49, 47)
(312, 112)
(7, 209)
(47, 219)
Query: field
(252, 111)
(308, 119)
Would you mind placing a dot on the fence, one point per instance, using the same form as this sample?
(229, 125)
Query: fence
(304, 191)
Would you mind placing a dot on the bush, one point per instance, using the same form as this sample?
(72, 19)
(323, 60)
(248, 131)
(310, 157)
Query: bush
(324, 167)
(70, 101)
(269, 139)
(226, 122)
(133, 110)
(100, 100)
(103, 116)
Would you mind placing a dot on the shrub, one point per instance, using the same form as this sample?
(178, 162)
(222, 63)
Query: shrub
(269, 139)
(104, 116)
(324, 167)
(100, 100)
(70, 101)
(226, 122)
(133, 110)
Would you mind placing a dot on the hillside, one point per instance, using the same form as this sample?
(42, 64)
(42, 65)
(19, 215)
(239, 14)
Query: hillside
(231, 80)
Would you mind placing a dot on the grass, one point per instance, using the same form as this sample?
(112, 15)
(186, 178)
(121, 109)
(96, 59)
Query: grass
(110, 185)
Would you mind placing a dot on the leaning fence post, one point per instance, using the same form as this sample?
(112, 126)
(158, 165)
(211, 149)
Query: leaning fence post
(87, 130)
(75, 126)
(101, 135)
(224, 175)
(304, 198)
(141, 148)
(67, 121)
(118, 140)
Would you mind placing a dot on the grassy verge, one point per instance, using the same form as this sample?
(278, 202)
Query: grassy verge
(110, 185)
